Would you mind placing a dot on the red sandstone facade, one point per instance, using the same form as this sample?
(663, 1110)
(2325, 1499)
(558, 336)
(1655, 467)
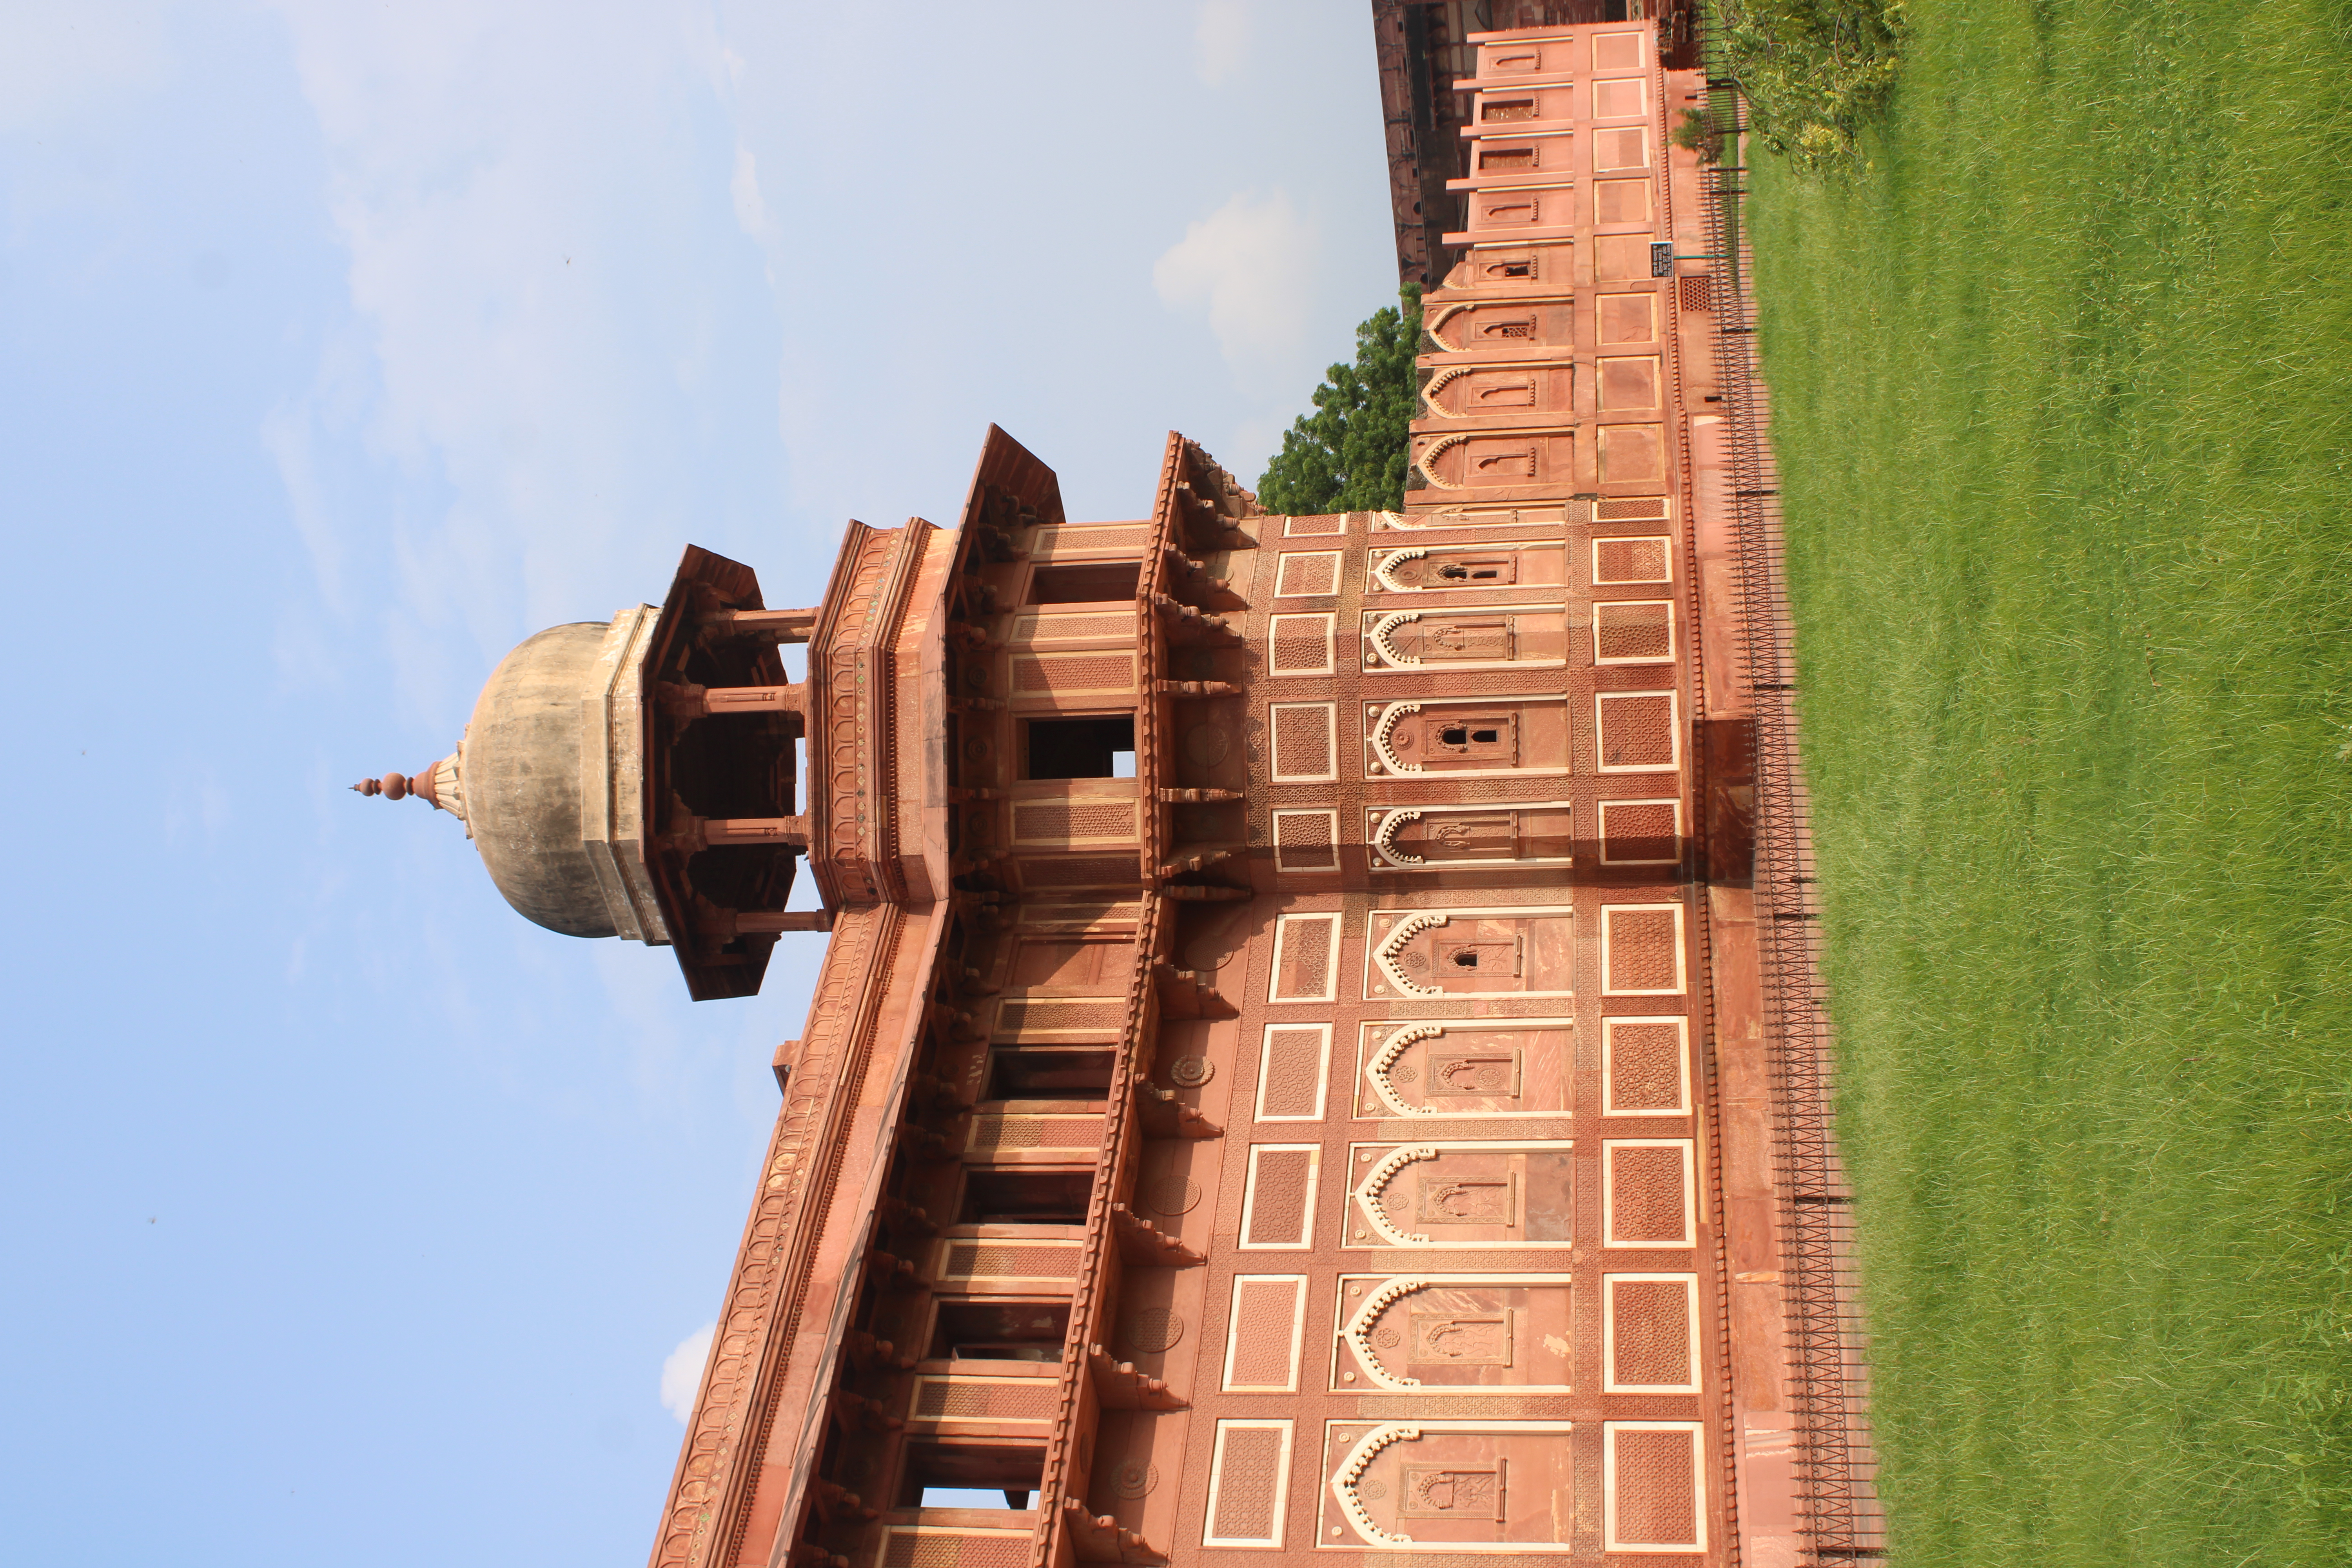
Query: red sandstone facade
(1345, 1138)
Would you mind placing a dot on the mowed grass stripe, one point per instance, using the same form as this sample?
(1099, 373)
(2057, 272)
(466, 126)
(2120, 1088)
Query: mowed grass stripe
(2063, 394)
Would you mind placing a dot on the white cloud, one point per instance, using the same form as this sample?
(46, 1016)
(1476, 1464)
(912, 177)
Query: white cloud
(545, 264)
(681, 1377)
(1251, 263)
(1221, 42)
(750, 210)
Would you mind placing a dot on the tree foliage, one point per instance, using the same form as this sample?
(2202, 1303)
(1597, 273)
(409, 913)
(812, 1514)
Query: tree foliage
(1351, 453)
(1812, 70)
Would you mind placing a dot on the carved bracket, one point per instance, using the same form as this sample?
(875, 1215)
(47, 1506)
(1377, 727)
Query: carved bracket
(1386, 1057)
(1121, 1387)
(1140, 1241)
(1396, 558)
(1390, 716)
(1358, 1333)
(1389, 651)
(1432, 452)
(1367, 1195)
(1384, 839)
(1360, 1459)
(1099, 1538)
(1385, 954)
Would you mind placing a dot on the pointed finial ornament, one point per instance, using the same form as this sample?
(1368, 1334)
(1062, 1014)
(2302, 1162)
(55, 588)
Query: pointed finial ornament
(435, 784)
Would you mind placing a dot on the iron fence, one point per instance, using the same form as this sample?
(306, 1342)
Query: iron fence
(1840, 1517)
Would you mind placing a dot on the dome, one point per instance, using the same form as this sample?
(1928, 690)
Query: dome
(521, 766)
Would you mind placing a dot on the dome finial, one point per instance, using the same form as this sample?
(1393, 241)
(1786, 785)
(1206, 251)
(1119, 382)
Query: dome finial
(400, 786)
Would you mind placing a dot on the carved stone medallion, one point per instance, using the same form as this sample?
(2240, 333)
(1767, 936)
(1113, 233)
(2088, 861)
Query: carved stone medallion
(1151, 1331)
(1174, 1195)
(1191, 1072)
(1207, 744)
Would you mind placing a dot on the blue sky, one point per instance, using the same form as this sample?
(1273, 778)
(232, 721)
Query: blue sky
(348, 1218)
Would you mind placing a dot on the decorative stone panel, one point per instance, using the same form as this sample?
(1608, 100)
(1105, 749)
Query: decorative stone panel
(1299, 645)
(1278, 1204)
(983, 1258)
(1640, 832)
(1262, 1339)
(1293, 1068)
(1621, 318)
(1435, 838)
(1090, 541)
(1454, 568)
(1508, 950)
(1649, 1333)
(1652, 1486)
(1306, 747)
(1439, 1486)
(1050, 675)
(1306, 840)
(1464, 637)
(1645, 1066)
(1632, 454)
(1639, 730)
(1642, 950)
(1453, 1194)
(1306, 958)
(1307, 573)
(1647, 1196)
(1249, 1484)
(1465, 737)
(929, 1546)
(957, 1399)
(1499, 1334)
(1632, 631)
(1428, 1068)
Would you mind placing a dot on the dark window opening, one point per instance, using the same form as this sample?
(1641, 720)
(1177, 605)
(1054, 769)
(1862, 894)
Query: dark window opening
(1012, 1196)
(1034, 1074)
(1458, 573)
(1465, 958)
(1098, 583)
(994, 1329)
(970, 1475)
(1491, 736)
(1080, 748)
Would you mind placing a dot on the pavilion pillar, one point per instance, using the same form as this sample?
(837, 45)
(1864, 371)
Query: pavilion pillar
(765, 625)
(690, 701)
(692, 835)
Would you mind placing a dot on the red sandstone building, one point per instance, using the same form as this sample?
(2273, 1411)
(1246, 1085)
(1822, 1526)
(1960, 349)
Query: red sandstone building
(1286, 1078)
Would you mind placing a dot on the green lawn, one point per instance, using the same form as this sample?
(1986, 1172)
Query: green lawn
(2063, 395)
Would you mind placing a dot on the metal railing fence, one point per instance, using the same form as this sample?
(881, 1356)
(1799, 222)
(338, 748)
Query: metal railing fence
(1839, 1512)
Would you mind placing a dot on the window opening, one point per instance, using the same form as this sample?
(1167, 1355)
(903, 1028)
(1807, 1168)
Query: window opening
(996, 1329)
(1096, 583)
(1029, 1073)
(1012, 1196)
(1081, 748)
(970, 1475)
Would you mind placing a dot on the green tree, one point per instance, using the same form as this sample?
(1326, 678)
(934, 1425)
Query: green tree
(1814, 71)
(1351, 453)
